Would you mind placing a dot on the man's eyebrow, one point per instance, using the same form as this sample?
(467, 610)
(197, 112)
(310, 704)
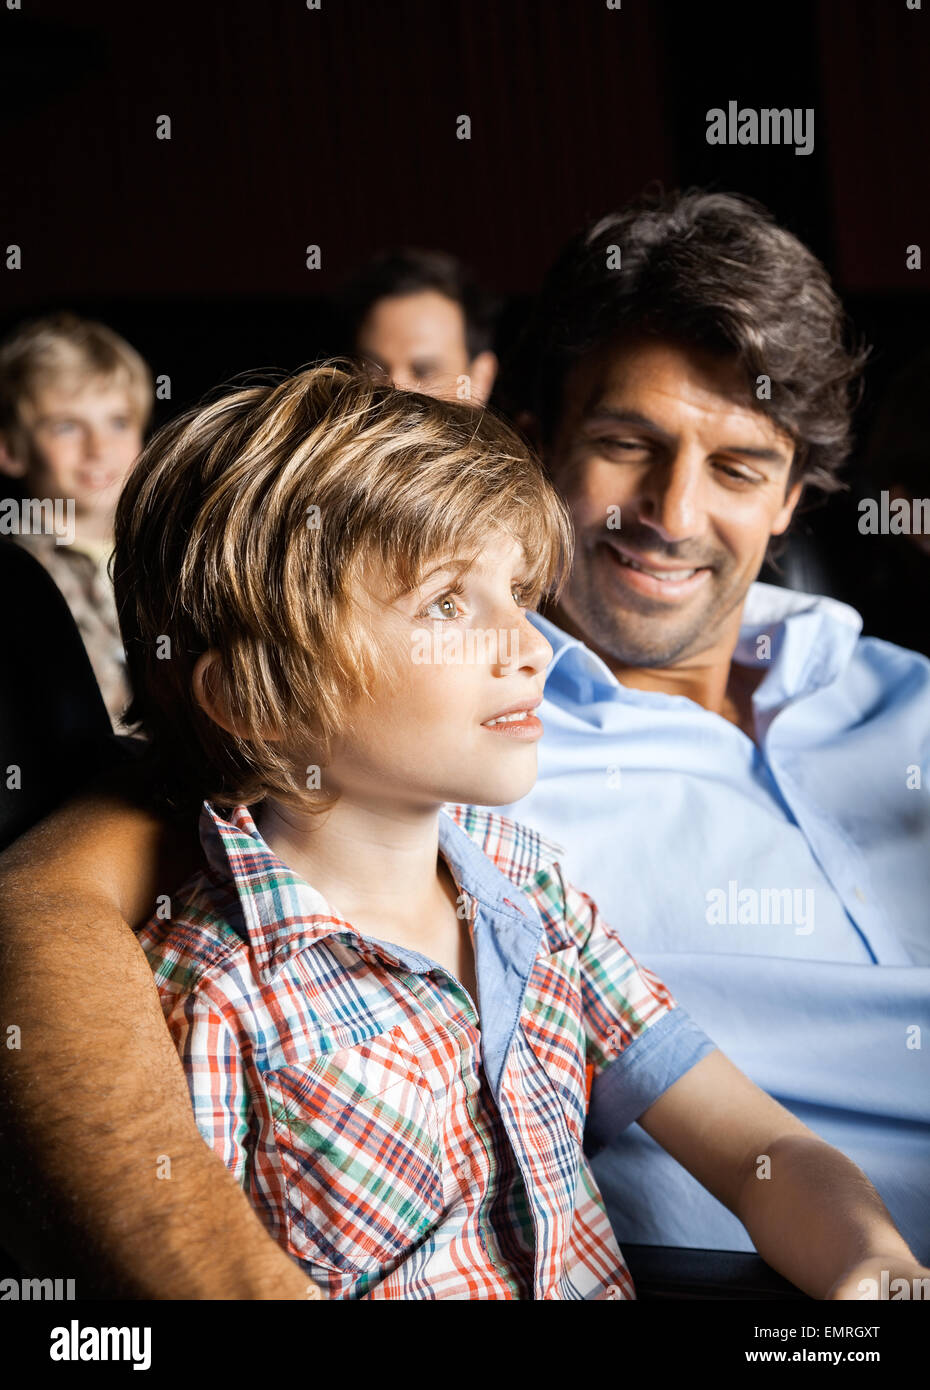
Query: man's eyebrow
(763, 455)
(617, 415)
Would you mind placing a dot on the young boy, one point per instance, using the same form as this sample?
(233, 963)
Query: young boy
(75, 399)
(399, 1023)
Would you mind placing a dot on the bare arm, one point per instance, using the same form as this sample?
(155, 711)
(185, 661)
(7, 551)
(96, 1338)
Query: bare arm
(94, 1099)
(811, 1213)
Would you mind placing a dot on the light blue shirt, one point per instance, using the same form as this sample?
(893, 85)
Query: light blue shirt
(780, 888)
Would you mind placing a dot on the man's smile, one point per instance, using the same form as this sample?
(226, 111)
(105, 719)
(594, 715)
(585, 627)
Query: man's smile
(653, 579)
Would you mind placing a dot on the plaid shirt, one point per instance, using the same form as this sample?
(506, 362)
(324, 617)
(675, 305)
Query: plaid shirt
(392, 1146)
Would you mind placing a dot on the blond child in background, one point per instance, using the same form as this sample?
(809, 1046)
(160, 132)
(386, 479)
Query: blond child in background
(75, 400)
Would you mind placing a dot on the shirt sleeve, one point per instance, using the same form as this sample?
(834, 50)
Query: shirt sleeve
(639, 1040)
(216, 1078)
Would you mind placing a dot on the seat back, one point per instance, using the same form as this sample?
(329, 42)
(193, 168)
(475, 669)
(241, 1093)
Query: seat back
(55, 732)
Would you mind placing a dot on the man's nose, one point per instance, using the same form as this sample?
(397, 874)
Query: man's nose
(404, 380)
(670, 499)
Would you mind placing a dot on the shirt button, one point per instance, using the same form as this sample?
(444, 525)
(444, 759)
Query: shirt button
(859, 893)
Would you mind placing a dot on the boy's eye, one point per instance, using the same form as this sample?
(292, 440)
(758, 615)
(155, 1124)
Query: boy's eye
(447, 606)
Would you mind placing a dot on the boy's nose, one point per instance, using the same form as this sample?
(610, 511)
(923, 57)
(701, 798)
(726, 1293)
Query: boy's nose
(522, 647)
(93, 445)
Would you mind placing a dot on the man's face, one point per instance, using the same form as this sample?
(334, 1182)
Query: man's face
(81, 444)
(418, 342)
(660, 433)
(454, 655)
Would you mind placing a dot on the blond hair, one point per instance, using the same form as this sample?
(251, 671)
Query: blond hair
(244, 528)
(64, 350)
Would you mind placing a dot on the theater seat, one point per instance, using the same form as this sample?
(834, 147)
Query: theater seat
(666, 1272)
(55, 732)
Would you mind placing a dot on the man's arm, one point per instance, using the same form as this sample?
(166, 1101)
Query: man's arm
(812, 1214)
(93, 1100)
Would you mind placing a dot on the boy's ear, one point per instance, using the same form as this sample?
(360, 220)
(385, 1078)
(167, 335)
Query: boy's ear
(9, 464)
(207, 685)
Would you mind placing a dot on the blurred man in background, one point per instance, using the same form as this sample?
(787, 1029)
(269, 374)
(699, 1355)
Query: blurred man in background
(419, 319)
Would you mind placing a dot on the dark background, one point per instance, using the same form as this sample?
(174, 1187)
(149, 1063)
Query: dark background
(337, 127)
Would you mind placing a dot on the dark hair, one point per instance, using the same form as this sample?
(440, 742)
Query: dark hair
(409, 271)
(711, 270)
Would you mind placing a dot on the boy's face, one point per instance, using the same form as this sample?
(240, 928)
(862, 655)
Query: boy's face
(453, 661)
(81, 444)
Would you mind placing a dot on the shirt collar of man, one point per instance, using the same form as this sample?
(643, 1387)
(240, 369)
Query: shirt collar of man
(281, 914)
(811, 640)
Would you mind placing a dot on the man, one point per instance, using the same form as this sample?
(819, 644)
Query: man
(106, 863)
(739, 780)
(418, 319)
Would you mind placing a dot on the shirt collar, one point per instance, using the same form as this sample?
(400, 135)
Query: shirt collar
(811, 640)
(281, 914)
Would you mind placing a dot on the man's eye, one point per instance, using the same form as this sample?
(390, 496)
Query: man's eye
(737, 474)
(63, 426)
(624, 445)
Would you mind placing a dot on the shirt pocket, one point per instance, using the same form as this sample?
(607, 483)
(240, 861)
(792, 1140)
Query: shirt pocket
(552, 1021)
(357, 1134)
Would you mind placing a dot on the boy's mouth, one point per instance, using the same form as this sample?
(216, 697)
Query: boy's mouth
(517, 721)
(96, 478)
